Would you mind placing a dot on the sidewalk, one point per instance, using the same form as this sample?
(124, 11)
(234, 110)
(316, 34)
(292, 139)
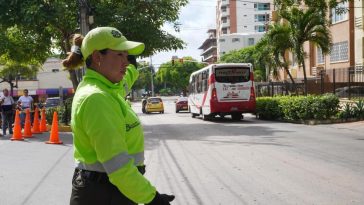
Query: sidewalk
(32, 172)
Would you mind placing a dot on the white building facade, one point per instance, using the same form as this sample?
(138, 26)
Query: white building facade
(247, 20)
(50, 80)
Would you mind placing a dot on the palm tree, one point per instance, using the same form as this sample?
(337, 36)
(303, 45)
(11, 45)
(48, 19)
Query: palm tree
(307, 25)
(279, 37)
(264, 57)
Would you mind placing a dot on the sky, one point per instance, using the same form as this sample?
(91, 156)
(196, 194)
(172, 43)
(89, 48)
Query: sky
(195, 18)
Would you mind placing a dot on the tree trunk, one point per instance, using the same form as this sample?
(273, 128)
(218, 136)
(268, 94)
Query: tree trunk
(304, 76)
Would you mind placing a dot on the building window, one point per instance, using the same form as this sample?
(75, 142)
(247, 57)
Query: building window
(223, 9)
(343, 16)
(250, 41)
(261, 17)
(224, 30)
(224, 19)
(221, 40)
(339, 52)
(262, 6)
(319, 56)
(235, 40)
(259, 28)
(245, 27)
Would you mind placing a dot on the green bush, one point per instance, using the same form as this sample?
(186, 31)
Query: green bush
(358, 109)
(268, 108)
(298, 107)
(346, 112)
(64, 112)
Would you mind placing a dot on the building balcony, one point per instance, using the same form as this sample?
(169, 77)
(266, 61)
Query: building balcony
(210, 57)
(211, 48)
(225, 25)
(225, 13)
(225, 2)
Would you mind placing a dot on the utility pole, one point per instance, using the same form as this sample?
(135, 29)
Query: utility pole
(85, 20)
(151, 76)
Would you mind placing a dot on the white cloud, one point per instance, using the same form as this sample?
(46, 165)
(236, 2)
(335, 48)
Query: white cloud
(196, 18)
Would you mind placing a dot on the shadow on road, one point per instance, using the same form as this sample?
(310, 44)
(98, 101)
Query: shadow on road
(229, 132)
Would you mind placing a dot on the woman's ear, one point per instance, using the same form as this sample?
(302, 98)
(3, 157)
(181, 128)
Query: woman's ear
(96, 58)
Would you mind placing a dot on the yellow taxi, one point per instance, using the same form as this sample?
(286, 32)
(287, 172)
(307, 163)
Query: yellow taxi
(154, 104)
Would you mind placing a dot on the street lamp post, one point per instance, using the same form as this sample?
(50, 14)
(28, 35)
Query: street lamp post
(151, 76)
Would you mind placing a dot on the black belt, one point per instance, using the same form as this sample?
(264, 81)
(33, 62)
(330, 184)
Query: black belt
(100, 177)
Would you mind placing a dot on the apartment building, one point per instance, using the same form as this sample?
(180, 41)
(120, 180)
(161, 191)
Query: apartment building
(209, 47)
(239, 22)
(359, 40)
(346, 51)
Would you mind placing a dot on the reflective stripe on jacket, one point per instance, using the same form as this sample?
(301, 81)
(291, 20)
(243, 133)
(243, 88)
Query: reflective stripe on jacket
(99, 127)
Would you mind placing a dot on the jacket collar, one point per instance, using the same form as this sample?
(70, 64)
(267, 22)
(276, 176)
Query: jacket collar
(91, 74)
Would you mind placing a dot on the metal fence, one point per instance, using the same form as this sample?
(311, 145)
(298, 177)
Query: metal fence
(344, 82)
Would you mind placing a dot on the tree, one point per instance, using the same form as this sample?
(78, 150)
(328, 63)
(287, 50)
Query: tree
(144, 79)
(279, 39)
(264, 55)
(19, 56)
(58, 20)
(307, 26)
(177, 76)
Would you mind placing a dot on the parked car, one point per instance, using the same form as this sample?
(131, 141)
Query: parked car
(355, 91)
(181, 104)
(154, 104)
(52, 102)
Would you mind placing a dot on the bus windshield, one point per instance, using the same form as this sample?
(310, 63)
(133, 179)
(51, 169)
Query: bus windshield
(232, 74)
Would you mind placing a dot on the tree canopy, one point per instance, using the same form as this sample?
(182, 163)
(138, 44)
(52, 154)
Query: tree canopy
(176, 75)
(55, 21)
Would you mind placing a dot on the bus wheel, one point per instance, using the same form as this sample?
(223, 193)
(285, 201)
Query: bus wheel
(193, 115)
(236, 116)
(206, 117)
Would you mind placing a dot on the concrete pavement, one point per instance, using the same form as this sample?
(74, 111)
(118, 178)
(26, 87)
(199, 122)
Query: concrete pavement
(35, 173)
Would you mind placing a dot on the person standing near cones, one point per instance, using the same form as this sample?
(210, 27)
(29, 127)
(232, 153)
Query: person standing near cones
(7, 114)
(106, 172)
(26, 102)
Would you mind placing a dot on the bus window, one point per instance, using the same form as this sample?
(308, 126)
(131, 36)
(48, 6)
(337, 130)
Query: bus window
(232, 74)
(199, 83)
(204, 79)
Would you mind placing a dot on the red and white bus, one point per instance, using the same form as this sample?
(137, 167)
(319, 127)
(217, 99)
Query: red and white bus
(222, 89)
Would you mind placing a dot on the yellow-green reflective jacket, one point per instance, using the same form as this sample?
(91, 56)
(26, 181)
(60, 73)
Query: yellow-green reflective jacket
(99, 115)
(134, 129)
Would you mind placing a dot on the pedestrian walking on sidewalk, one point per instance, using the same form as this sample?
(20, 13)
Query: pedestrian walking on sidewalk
(106, 171)
(7, 114)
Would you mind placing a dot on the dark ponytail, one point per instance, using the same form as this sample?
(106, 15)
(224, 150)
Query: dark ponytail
(74, 59)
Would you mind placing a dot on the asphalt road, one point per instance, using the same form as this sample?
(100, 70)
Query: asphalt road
(201, 162)
(253, 161)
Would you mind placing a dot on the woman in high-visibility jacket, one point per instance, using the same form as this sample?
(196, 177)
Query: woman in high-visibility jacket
(106, 168)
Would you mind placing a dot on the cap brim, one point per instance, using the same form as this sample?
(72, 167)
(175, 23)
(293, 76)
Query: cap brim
(133, 48)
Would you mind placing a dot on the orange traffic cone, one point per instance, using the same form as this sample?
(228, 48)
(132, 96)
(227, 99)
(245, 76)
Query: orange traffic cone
(17, 128)
(54, 138)
(36, 129)
(27, 126)
(43, 122)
